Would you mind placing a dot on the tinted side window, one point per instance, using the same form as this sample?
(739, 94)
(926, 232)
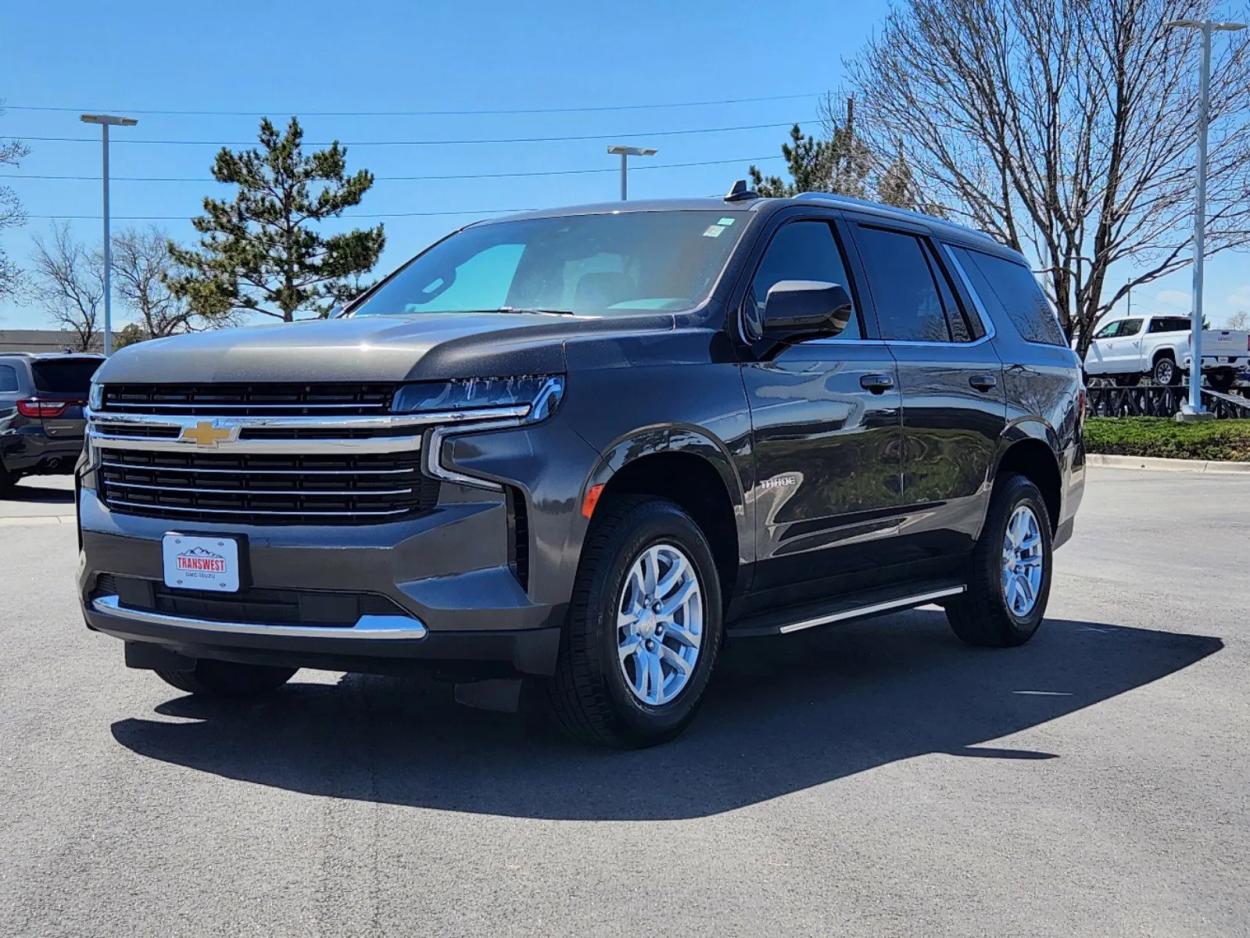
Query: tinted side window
(909, 306)
(1130, 327)
(801, 250)
(1169, 324)
(1010, 291)
(8, 378)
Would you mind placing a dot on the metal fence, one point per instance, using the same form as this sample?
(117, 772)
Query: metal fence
(1158, 400)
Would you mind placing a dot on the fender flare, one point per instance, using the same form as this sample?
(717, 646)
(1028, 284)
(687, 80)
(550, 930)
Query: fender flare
(686, 439)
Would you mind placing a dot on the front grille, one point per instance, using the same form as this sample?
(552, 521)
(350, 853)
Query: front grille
(243, 400)
(267, 489)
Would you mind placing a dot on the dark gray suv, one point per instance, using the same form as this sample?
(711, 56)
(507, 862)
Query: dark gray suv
(41, 413)
(585, 447)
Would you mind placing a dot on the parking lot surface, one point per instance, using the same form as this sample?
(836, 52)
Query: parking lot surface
(877, 777)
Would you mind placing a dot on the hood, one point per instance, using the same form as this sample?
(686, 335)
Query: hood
(369, 348)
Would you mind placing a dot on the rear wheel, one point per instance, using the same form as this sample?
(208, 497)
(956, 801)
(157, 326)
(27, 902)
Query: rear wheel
(1009, 575)
(7, 480)
(1223, 379)
(1165, 371)
(227, 678)
(644, 627)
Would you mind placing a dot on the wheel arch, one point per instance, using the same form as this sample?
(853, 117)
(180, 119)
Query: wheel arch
(1030, 450)
(691, 468)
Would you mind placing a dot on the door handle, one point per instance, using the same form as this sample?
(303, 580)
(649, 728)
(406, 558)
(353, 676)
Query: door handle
(983, 382)
(876, 383)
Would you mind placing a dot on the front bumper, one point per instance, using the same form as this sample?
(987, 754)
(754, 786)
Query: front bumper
(398, 646)
(456, 600)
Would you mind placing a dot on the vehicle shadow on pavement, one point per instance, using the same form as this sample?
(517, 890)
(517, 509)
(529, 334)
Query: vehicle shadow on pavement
(38, 495)
(781, 715)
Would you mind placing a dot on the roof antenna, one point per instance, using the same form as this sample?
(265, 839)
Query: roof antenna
(739, 192)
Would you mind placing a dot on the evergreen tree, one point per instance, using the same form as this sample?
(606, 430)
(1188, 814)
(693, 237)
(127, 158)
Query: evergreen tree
(262, 252)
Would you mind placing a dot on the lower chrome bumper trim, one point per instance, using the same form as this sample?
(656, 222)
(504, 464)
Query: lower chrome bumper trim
(374, 627)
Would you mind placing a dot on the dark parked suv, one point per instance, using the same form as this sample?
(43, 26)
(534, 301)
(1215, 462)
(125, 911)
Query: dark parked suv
(41, 413)
(586, 446)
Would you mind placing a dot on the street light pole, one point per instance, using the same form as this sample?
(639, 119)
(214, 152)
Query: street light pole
(105, 121)
(1206, 27)
(625, 153)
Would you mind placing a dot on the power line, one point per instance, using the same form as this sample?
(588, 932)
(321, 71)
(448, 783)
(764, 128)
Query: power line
(447, 113)
(540, 172)
(122, 139)
(471, 211)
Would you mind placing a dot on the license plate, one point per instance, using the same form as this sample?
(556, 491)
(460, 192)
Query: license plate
(194, 562)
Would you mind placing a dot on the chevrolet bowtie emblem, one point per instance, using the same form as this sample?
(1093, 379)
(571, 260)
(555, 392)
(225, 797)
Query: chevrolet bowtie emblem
(205, 433)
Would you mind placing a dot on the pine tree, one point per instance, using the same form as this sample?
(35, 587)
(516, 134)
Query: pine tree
(262, 252)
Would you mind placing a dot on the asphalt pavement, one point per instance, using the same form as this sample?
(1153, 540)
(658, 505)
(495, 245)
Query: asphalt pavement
(873, 778)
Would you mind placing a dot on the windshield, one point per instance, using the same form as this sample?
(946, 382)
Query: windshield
(597, 265)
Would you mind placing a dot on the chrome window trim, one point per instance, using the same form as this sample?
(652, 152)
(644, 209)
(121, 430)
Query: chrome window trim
(367, 626)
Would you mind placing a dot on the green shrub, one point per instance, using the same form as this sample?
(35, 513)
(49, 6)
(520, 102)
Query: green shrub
(1159, 436)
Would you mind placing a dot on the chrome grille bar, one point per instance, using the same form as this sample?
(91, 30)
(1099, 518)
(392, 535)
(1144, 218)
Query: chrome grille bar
(302, 513)
(250, 491)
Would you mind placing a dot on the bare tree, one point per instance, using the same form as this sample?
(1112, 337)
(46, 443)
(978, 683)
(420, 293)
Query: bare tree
(1239, 320)
(12, 214)
(69, 280)
(1066, 129)
(142, 267)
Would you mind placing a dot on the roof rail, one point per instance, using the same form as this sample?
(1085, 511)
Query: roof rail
(834, 198)
(739, 192)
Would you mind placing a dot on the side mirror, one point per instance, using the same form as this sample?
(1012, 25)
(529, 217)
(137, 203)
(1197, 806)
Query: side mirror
(807, 307)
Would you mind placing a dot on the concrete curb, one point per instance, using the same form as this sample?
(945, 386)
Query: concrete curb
(1159, 464)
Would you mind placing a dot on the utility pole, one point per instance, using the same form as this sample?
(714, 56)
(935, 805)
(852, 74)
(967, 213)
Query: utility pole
(625, 153)
(106, 121)
(1194, 409)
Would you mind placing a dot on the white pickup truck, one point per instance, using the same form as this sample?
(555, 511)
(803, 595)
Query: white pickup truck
(1225, 356)
(1131, 347)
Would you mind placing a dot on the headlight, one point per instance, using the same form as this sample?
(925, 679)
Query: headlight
(95, 398)
(533, 397)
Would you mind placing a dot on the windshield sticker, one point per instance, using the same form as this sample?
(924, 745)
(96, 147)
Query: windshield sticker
(726, 221)
(713, 231)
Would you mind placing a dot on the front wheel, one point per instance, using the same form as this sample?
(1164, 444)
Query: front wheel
(227, 678)
(644, 626)
(1009, 574)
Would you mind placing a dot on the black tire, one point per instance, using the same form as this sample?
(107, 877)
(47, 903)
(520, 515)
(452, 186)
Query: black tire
(227, 678)
(7, 480)
(1165, 371)
(1222, 380)
(981, 616)
(589, 695)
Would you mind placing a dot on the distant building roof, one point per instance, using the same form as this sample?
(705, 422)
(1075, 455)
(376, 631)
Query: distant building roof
(43, 340)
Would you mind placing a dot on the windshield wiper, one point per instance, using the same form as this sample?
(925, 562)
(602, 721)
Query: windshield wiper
(532, 309)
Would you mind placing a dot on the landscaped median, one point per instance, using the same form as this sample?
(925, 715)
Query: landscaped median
(1159, 437)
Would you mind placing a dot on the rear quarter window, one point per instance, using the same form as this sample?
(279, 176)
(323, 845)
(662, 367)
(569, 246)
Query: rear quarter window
(8, 378)
(1009, 292)
(65, 375)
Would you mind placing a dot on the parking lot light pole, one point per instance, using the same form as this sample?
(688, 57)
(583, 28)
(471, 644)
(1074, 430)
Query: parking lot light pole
(1206, 27)
(106, 121)
(625, 153)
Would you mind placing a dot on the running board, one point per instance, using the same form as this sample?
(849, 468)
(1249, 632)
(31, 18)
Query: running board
(843, 609)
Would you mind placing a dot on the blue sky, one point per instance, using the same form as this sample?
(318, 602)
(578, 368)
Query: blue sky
(259, 58)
